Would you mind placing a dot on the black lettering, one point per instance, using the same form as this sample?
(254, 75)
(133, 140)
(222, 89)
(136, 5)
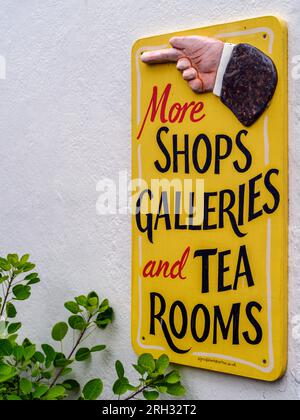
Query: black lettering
(178, 334)
(184, 152)
(259, 333)
(208, 159)
(241, 204)
(206, 328)
(159, 317)
(227, 209)
(163, 205)
(148, 227)
(243, 258)
(245, 151)
(253, 195)
(234, 319)
(205, 254)
(219, 155)
(208, 210)
(163, 148)
(222, 270)
(273, 191)
(178, 225)
(153, 315)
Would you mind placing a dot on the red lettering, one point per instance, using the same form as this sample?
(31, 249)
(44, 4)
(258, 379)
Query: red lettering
(179, 265)
(154, 107)
(172, 113)
(176, 270)
(149, 269)
(197, 109)
(175, 107)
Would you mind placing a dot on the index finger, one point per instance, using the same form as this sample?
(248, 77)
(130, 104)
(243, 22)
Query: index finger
(169, 55)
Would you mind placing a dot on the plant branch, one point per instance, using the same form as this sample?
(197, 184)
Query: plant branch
(71, 353)
(7, 293)
(132, 396)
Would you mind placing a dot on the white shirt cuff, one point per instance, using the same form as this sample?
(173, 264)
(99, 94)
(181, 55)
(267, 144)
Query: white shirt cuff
(226, 56)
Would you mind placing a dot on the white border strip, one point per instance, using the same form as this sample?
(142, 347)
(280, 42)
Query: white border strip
(251, 32)
(137, 63)
(267, 143)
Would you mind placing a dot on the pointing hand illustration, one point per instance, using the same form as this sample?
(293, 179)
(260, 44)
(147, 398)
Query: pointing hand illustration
(197, 57)
(242, 76)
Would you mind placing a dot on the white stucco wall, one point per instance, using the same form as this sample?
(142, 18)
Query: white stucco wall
(65, 124)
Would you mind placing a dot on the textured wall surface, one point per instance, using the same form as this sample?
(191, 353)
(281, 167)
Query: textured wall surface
(65, 124)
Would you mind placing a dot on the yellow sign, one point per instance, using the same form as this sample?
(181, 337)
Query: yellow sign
(210, 202)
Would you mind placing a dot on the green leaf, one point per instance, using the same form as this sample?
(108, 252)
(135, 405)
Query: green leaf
(40, 391)
(36, 368)
(39, 357)
(4, 265)
(104, 318)
(6, 348)
(21, 292)
(13, 328)
(6, 372)
(46, 375)
(59, 331)
(29, 352)
(82, 354)
(173, 377)
(98, 348)
(26, 342)
(76, 322)
(92, 301)
(25, 386)
(13, 398)
(73, 307)
(57, 392)
(71, 385)
(3, 278)
(151, 395)
(162, 389)
(18, 353)
(48, 363)
(120, 369)
(31, 276)
(147, 362)
(12, 338)
(81, 300)
(93, 389)
(25, 258)
(177, 390)
(11, 311)
(49, 352)
(162, 363)
(27, 267)
(139, 369)
(120, 387)
(61, 361)
(92, 295)
(155, 375)
(13, 259)
(33, 281)
(104, 306)
(66, 371)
